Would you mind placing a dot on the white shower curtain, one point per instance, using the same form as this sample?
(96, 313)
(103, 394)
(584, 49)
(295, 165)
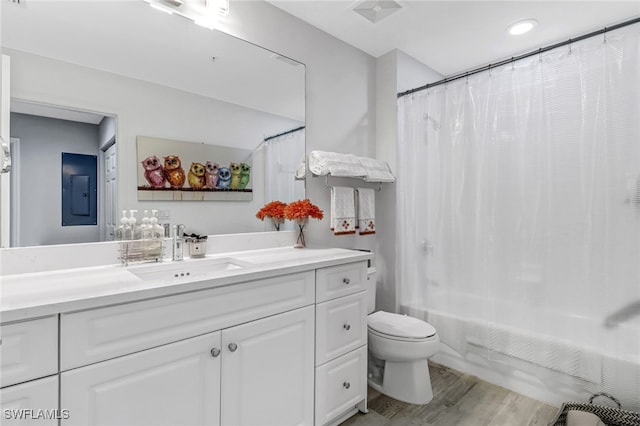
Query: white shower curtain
(519, 214)
(282, 157)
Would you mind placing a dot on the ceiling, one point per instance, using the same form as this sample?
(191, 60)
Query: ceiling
(455, 36)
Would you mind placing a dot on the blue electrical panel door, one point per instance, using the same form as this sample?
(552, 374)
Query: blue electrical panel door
(79, 189)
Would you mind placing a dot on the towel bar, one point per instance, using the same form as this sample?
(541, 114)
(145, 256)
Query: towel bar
(326, 182)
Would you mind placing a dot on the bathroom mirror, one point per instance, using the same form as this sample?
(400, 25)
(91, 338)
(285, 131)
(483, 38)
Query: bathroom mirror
(148, 73)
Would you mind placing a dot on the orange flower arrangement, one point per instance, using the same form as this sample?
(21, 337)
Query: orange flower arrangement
(301, 211)
(273, 210)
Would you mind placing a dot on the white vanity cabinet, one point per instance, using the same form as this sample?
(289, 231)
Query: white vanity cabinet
(261, 372)
(287, 349)
(148, 363)
(341, 342)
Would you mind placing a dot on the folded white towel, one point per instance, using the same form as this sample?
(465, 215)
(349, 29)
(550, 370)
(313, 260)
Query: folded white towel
(366, 211)
(323, 163)
(343, 210)
(376, 170)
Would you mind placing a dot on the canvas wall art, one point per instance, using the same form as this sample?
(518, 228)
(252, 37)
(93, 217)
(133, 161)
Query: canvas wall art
(171, 170)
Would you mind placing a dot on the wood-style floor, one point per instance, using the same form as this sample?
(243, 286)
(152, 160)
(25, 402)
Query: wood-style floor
(458, 400)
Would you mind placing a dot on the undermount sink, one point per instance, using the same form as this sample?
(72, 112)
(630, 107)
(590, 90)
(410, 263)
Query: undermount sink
(196, 269)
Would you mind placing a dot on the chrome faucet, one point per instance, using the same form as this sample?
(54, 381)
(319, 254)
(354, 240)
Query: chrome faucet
(178, 243)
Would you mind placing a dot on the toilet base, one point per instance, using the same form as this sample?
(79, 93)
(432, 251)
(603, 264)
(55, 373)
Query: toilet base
(405, 381)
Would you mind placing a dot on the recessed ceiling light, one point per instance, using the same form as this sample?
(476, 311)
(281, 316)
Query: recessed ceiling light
(522, 27)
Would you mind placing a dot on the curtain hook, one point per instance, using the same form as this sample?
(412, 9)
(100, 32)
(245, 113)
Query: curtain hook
(540, 55)
(605, 36)
(570, 51)
(513, 64)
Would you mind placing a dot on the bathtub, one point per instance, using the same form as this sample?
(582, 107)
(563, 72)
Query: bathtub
(547, 355)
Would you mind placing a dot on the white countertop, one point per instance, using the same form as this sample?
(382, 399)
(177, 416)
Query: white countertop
(32, 295)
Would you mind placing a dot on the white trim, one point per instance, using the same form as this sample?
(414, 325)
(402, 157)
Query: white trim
(15, 196)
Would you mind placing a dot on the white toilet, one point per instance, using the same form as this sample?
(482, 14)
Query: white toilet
(399, 346)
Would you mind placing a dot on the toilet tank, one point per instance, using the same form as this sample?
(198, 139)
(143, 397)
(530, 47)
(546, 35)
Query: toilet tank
(371, 289)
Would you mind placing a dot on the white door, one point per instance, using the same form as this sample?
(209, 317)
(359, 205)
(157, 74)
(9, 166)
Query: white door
(268, 371)
(21, 404)
(175, 384)
(110, 195)
(5, 182)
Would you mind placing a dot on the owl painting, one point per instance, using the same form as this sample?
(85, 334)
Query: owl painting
(235, 175)
(196, 176)
(245, 175)
(173, 171)
(224, 178)
(154, 172)
(211, 174)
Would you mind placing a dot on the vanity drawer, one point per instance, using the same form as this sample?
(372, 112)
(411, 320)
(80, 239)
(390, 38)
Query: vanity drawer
(340, 385)
(336, 281)
(99, 334)
(29, 350)
(341, 326)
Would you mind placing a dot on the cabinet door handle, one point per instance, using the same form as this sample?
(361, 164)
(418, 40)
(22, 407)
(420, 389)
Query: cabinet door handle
(346, 280)
(347, 327)
(215, 352)
(233, 347)
(346, 385)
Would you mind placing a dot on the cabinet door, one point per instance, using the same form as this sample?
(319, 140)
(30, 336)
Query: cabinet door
(268, 369)
(175, 384)
(31, 403)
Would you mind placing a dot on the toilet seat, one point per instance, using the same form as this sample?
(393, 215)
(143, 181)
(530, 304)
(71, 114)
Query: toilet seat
(399, 327)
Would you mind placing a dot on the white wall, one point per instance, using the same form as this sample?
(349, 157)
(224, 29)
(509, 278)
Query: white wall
(42, 141)
(340, 97)
(395, 72)
(148, 109)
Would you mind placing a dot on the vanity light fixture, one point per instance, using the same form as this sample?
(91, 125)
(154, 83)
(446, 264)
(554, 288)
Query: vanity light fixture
(521, 27)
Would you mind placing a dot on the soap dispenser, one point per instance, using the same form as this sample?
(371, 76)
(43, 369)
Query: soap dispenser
(135, 229)
(156, 236)
(123, 232)
(145, 227)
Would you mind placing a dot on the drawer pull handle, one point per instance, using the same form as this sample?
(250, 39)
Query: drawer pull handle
(346, 281)
(233, 347)
(215, 352)
(347, 327)
(346, 385)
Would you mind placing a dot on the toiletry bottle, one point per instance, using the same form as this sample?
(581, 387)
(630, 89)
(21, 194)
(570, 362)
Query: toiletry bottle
(178, 243)
(122, 230)
(156, 237)
(145, 227)
(135, 229)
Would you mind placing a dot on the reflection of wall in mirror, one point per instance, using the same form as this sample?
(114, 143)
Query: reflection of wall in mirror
(144, 108)
(42, 140)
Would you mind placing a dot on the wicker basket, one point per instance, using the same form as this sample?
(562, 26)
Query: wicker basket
(609, 415)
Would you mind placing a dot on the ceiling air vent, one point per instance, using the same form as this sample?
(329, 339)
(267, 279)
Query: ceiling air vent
(377, 10)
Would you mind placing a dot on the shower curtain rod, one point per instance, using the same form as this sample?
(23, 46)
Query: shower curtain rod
(284, 133)
(517, 58)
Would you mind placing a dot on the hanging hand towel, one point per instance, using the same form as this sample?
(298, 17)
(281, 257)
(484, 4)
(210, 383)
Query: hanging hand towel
(343, 211)
(366, 211)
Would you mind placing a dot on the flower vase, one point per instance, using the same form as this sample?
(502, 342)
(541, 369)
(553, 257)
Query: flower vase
(300, 242)
(277, 222)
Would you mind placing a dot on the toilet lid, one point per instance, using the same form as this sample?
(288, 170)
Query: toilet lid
(399, 325)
